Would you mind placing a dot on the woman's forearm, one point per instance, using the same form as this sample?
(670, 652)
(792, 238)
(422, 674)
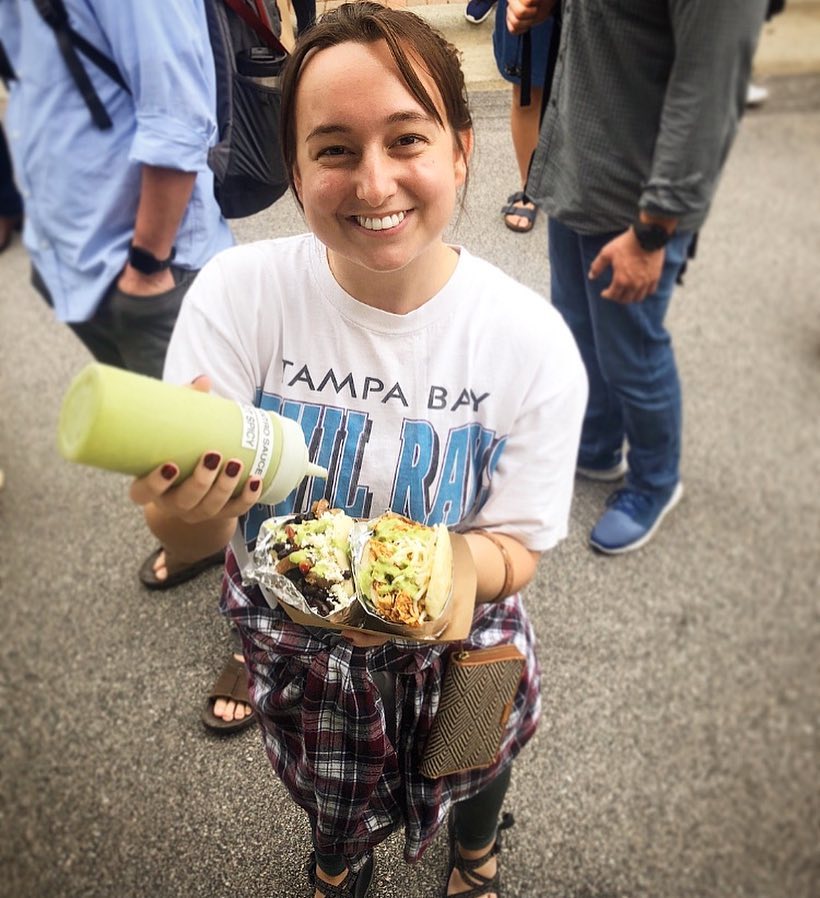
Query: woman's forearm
(500, 559)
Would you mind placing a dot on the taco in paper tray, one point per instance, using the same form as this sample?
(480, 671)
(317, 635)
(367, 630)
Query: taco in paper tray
(405, 573)
(312, 551)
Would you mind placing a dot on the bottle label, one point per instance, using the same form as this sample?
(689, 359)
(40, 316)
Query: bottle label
(257, 434)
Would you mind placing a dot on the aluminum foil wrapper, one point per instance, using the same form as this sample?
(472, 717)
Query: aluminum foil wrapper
(278, 588)
(429, 630)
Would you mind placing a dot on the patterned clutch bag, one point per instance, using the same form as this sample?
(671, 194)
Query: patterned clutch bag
(476, 700)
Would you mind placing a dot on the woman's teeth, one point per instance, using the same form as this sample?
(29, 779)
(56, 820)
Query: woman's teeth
(380, 224)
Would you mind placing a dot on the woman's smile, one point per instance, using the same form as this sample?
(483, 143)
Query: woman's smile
(380, 222)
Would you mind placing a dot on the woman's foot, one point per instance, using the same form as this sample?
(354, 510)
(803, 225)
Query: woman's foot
(520, 212)
(160, 566)
(326, 877)
(469, 877)
(158, 571)
(229, 710)
(345, 884)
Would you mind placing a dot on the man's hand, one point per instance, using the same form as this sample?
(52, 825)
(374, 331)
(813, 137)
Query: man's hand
(635, 272)
(135, 283)
(164, 196)
(525, 14)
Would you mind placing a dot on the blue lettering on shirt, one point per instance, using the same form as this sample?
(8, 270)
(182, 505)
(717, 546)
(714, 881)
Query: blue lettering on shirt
(429, 485)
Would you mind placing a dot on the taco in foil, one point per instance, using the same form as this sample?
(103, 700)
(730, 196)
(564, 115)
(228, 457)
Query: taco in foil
(313, 551)
(405, 573)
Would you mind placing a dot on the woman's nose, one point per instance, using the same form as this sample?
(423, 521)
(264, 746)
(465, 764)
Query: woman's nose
(376, 179)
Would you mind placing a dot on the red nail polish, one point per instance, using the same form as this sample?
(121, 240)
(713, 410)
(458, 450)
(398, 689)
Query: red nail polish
(232, 468)
(255, 484)
(211, 461)
(169, 472)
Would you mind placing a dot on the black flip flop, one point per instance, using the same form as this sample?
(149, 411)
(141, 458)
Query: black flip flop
(232, 685)
(514, 207)
(180, 574)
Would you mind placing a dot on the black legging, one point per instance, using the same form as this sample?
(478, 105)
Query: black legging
(475, 819)
(476, 822)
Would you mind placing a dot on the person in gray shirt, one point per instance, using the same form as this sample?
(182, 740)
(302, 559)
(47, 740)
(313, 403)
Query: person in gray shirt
(642, 111)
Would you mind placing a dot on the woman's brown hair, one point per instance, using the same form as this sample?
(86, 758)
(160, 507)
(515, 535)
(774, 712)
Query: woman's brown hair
(408, 37)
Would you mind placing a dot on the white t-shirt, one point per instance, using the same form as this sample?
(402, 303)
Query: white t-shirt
(466, 411)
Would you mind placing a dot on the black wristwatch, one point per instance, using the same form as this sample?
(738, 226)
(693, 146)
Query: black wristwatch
(650, 235)
(146, 262)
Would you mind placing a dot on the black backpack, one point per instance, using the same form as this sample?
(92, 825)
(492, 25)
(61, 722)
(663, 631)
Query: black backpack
(249, 173)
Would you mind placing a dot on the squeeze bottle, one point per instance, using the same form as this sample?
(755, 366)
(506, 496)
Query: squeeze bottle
(130, 423)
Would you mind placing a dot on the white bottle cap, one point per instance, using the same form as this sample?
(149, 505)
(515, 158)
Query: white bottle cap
(293, 465)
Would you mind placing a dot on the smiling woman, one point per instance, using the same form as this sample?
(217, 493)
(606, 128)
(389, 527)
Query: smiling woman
(378, 181)
(426, 382)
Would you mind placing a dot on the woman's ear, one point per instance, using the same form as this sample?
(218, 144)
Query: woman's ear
(297, 183)
(463, 154)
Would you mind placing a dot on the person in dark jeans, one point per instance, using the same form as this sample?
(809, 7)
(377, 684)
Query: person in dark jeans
(11, 203)
(305, 14)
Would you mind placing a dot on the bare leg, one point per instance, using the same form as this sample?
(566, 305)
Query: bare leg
(524, 127)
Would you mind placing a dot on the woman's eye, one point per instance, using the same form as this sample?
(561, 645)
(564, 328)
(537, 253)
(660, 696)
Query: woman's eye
(332, 151)
(409, 140)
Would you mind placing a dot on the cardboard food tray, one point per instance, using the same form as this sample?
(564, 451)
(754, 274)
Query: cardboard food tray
(463, 599)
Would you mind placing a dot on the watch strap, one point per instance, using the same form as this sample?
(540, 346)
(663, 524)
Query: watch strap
(651, 236)
(146, 262)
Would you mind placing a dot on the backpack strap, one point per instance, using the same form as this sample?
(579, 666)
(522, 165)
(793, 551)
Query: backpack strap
(253, 21)
(53, 13)
(263, 14)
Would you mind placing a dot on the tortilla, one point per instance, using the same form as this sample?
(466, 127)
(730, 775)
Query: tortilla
(313, 552)
(406, 571)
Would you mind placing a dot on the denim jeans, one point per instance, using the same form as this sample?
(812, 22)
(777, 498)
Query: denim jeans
(634, 391)
(130, 332)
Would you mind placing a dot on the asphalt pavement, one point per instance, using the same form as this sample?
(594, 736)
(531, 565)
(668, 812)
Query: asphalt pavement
(678, 754)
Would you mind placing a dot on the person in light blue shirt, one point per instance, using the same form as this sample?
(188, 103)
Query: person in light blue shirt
(89, 192)
(120, 218)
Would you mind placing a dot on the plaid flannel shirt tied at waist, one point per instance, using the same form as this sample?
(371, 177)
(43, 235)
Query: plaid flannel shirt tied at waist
(324, 729)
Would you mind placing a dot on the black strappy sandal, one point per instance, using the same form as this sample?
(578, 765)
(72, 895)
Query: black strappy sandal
(354, 885)
(479, 884)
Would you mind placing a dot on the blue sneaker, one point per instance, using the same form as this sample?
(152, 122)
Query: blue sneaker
(478, 10)
(631, 519)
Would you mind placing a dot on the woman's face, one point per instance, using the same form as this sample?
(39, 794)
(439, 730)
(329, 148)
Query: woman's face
(377, 176)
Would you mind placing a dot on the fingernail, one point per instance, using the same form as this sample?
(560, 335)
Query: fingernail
(232, 468)
(169, 471)
(211, 461)
(254, 485)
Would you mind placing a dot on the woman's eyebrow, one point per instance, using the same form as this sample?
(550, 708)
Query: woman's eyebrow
(402, 116)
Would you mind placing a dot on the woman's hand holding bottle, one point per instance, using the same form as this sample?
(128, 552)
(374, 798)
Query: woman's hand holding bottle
(207, 494)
